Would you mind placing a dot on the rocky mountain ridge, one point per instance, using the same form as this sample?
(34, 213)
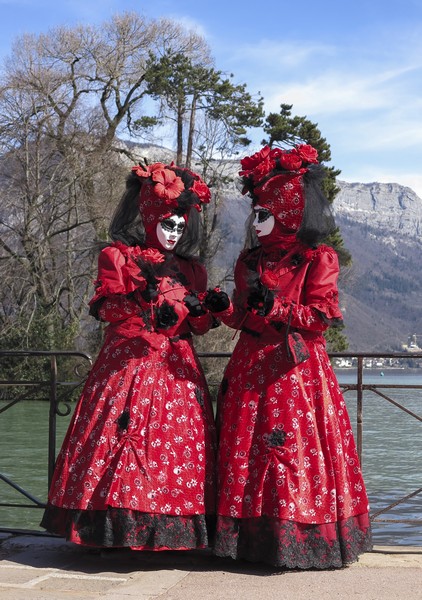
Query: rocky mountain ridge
(382, 290)
(388, 206)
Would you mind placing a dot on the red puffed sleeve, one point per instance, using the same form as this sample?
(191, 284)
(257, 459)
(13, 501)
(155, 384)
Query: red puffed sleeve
(110, 278)
(113, 284)
(320, 307)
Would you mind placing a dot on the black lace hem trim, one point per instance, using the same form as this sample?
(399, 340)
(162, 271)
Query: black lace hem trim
(293, 545)
(120, 528)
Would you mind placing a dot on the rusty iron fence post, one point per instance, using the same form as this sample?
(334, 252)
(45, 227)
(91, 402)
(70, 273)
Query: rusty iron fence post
(52, 425)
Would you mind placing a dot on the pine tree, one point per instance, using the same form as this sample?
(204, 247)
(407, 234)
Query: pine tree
(186, 87)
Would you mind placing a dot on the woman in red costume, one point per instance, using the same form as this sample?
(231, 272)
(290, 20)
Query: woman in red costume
(136, 468)
(290, 491)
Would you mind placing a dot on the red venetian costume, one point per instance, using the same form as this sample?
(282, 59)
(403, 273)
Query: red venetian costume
(137, 466)
(290, 488)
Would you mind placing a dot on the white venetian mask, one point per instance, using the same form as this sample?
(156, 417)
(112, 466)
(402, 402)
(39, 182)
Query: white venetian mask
(170, 230)
(264, 220)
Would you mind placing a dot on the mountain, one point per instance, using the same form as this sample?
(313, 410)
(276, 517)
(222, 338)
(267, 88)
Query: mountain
(381, 293)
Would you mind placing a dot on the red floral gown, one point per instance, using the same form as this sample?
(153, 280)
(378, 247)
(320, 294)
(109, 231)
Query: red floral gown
(137, 464)
(290, 489)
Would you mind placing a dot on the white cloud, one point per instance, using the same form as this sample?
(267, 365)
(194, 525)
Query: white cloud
(189, 23)
(334, 92)
(368, 117)
(194, 26)
(322, 95)
(270, 56)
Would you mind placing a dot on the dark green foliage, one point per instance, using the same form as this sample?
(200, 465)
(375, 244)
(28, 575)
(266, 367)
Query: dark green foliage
(188, 88)
(336, 340)
(45, 331)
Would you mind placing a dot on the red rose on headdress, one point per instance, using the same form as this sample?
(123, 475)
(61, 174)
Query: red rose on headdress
(146, 171)
(261, 170)
(250, 162)
(307, 153)
(291, 161)
(158, 166)
(201, 189)
(168, 185)
(140, 171)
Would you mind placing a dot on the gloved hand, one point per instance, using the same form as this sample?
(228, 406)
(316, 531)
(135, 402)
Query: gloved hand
(216, 300)
(150, 292)
(194, 305)
(260, 300)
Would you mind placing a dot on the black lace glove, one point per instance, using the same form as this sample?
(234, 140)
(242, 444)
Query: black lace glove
(194, 305)
(216, 300)
(151, 291)
(260, 300)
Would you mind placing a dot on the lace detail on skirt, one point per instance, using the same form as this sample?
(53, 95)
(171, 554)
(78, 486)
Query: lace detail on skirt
(293, 545)
(120, 527)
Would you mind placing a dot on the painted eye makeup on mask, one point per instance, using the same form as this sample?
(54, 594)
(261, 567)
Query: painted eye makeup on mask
(263, 220)
(262, 215)
(172, 227)
(170, 230)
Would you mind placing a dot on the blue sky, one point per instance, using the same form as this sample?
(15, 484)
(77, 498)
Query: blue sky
(354, 68)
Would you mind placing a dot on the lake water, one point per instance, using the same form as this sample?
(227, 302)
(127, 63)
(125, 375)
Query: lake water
(392, 451)
(391, 461)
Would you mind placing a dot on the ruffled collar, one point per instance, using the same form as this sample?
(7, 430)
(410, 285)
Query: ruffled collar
(146, 252)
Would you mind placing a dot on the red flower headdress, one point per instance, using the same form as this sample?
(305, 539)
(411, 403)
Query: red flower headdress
(274, 178)
(168, 189)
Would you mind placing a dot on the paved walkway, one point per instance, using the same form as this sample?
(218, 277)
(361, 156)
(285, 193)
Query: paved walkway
(47, 568)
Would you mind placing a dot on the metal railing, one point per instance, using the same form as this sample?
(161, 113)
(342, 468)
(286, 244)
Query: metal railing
(379, 389)
(58, 391)
(61, 391)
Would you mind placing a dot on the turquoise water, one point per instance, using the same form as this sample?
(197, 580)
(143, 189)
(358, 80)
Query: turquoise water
(24, 459)
(391, 461)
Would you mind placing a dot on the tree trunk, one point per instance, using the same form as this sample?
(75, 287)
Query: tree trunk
(189, 148)
(179, 155)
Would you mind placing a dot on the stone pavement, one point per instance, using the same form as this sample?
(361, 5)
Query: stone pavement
(46, 568)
